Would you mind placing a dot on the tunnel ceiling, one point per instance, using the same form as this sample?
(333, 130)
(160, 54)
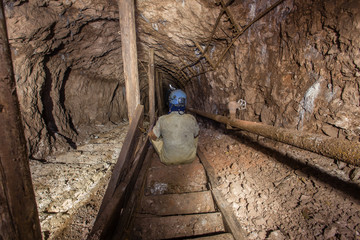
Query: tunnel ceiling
(296, 67)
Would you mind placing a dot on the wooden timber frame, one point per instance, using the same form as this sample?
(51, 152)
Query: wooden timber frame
(229, 217)
(236, 29)
(151, 76)
(129, 55)
(159, 93)
(122, 181)
(18, 212)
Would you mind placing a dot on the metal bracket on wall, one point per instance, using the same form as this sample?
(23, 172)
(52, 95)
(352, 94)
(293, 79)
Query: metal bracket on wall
(242, 104)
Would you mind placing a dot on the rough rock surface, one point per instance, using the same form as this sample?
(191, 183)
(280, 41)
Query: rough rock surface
(297, 67)
(59, 49)
(276, 191)
(280, 192)
(69, 186)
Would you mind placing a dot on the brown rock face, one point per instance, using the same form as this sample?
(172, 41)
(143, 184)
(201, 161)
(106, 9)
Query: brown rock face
(297, 67)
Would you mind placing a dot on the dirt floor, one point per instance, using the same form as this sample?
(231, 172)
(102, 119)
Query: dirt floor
(69, 186)
(276, 191)
(281, 192)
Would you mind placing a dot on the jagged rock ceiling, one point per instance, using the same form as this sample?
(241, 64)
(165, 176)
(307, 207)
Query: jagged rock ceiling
(297, 67)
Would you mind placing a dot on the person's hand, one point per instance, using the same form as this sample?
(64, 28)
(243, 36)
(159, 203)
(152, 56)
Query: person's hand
(152, 135)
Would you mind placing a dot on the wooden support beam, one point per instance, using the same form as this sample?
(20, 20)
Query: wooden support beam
(151, 86)
(18, 212)
(159, 93)
(183, 74)
(123, 171)
(245, 28)
(161, 83)
(190, 68)
(106, 221)
(206, 55)
(125, 219)
(126, 153)
(231, 18)
(129, 54)
(230, 219)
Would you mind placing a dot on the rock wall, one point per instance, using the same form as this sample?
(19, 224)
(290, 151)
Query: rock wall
(297, 67)
(59, 49)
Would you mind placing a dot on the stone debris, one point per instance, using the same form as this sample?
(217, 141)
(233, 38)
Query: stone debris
(65, 182)
(296, 195)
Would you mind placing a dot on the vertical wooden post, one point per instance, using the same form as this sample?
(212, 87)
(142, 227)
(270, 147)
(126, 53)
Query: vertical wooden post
(158, 93)
(151, 86)
(129, 54)
(18, 212)
(161, 90)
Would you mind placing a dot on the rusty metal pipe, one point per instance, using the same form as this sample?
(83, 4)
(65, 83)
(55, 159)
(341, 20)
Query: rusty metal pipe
(343, 150)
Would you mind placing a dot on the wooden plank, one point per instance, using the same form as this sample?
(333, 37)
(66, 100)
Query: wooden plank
(105, 221)
(161, 82)
(230, 219)
(18, 212)
(210, 171)
(176, 179)
(126, 152)
(129, 55)
(178, 226)
(151, 86)
(126, 215)
(176, 204)
(222, 236)
(190, 68)
(206, 55)
(157, 163)
(158, 93)
(230, 16)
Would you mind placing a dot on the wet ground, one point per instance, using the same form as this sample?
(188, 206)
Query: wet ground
(276, 191)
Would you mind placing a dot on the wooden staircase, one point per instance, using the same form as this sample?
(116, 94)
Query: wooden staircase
(176, 203)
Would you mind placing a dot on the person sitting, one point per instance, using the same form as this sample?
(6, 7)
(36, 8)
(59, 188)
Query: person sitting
(175, 135)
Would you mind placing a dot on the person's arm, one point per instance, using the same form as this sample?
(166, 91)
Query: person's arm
(155, 132)
(196, 129)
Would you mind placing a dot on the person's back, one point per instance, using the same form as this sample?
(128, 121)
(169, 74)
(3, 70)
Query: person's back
(179, 132)
(174, 136)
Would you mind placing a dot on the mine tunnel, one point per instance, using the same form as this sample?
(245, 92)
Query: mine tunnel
(274, 86)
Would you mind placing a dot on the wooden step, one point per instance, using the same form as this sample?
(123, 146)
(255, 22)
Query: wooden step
(176, 179)
(157, 163)
(221, 236)
(177, 226)
(176, 204)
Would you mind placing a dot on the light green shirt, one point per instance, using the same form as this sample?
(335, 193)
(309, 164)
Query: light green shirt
(178, 133)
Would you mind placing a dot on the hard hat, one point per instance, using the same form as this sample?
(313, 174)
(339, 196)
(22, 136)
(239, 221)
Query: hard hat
(177, 101)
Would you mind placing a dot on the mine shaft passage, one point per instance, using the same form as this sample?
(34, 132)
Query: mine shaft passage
(273, 85)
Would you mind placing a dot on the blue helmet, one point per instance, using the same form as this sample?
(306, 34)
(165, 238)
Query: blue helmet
(177, 101)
